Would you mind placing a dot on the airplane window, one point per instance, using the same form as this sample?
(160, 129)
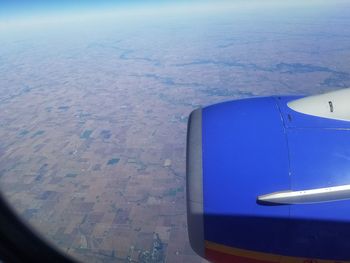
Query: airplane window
(95, 99)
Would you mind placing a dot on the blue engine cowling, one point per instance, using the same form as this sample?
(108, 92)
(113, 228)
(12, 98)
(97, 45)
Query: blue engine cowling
(239, 150)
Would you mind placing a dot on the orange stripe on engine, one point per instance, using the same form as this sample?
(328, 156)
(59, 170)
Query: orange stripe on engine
(220, 253)
(216, 256)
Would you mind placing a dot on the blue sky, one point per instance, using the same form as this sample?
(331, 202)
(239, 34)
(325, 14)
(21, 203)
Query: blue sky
(25, 7)
(14, 12)
(21, 11)
(15, 8)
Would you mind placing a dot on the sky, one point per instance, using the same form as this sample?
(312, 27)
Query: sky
(28, 12)
(25, 12)
(20, 8)
(10, 8)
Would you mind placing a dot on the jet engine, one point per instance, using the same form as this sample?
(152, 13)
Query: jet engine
(268, 179)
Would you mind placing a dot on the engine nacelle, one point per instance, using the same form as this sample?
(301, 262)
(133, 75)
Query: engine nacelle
(268, 179)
